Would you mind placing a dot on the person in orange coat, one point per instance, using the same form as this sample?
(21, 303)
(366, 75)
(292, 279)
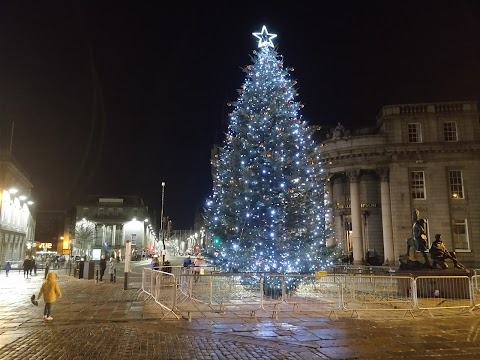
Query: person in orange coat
(49, 290)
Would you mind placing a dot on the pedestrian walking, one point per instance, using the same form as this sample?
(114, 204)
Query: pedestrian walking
(27, 263)
(197, 267)
(103, 267)
(111, 268)
(187, 262)
(8, 267)
(167, 267)
(33, 267)
(47, 267)
(49, 290)
(155, 264)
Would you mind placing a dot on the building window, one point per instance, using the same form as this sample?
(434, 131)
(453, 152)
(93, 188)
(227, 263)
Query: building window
(460, 235)
(456, 184)
(85, 212)
(450, 131)
(418, 184)
(135, 212)
(414, 133)
(101, 211)
(110, 211)
(119, 211)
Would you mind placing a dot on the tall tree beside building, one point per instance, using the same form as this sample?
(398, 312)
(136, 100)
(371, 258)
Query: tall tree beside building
(267, 212)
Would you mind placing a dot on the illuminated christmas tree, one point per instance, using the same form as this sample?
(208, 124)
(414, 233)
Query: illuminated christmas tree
(267, 211)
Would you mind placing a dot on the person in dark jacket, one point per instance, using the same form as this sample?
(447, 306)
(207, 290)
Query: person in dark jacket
(8, 267)
(187, 262)
(103, 267)
(155, 264)
(33, 267)
(27, 265)
(47, 267)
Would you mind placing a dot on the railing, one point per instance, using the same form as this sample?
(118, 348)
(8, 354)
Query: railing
(183, 292)
(457, 106)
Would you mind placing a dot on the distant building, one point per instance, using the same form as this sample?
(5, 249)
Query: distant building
(114, 221)
(423, 157)
(17, 221)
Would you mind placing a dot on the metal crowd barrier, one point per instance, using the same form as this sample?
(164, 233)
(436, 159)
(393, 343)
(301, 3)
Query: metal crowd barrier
(476, 282)
(183, 291)
(378, 292)
(475, 292)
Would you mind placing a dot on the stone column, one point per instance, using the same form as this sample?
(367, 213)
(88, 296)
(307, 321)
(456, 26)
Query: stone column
(3, 246)
(114, 235)
(388, 250)
(357, 236)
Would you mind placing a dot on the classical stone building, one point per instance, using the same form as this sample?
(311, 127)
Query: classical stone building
(114, 220)
(423, 157)
(17, 221)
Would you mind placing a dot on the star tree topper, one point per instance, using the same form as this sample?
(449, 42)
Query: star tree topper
(264, 38)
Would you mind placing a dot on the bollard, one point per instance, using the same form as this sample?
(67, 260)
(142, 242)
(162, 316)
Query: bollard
(128, 252)
(115, 275)
(96, 275)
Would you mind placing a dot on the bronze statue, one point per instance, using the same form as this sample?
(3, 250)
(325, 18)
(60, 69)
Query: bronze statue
(420, 239)
(439, 253)
(418, 242)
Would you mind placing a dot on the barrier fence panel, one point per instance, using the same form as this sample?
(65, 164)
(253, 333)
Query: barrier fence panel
(236, 290)
(218, 292)
(163, 289)
(378, 292)
(476, 279)
(475, 292)
(312, 293)
(194, 276)
(443, 292)
(147, 281)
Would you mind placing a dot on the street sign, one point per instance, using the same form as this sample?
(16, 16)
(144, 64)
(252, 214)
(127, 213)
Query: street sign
(322, 273)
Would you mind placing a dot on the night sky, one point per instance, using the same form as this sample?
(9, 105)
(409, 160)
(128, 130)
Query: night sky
(114, 97)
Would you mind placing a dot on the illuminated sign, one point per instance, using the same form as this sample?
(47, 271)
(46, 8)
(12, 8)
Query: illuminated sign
(45, 246)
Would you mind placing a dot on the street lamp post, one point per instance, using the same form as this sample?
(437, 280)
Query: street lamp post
(161, 215)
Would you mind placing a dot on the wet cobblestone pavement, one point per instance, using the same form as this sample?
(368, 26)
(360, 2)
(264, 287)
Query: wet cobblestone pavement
(103, 321)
